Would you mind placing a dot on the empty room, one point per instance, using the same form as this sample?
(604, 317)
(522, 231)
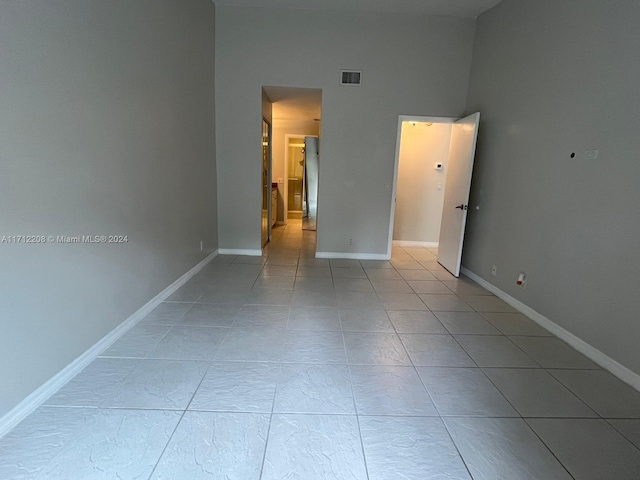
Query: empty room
(348, 239)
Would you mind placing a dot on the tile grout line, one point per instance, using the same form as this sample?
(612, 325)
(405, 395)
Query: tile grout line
(179, 420)
(275, 394)
(515, 409)
(435, 406)
(355, 406)
(619, 432)
(348, 366)
(547, 447)
(268, 434)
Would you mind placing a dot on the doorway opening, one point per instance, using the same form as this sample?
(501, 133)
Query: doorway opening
(432, 179)
(296, 129)
(294, 168)
(301, 172)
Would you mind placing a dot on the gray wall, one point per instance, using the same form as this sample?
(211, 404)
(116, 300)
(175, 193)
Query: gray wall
(552, 78)
(106, 127)
(411, 65)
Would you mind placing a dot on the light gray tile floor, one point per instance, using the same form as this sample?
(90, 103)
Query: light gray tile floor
(466, 323)
(365, 320)
(287, 366)
(589, 449)
(497, 448)
(390, 390)
(210, 445)
(494, 351)
(464, 392)
(314, 318)
(410, 448)
(535, 393)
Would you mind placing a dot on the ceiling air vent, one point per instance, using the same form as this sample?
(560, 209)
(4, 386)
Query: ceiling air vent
(352, 78)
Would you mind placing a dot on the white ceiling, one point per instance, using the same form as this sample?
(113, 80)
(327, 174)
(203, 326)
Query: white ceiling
(295, 103)
(457, 8)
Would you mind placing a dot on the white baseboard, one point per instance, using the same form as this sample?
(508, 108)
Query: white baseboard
(407, 243)
(240, 251)
(606, 362)
(353, 256)
(51, 386)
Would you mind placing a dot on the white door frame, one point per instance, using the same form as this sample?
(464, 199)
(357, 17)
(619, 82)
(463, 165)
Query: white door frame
(406, 118)
(269, 178)
(285, 200)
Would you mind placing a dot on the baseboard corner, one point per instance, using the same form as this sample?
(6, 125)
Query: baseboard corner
(620, 371)
(408, 243)
(240, 251)
(40, 395)
(353, 256)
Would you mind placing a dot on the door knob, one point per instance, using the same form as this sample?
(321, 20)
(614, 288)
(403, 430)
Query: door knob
(462, 206)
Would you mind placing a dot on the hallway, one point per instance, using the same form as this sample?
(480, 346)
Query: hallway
(286, 366)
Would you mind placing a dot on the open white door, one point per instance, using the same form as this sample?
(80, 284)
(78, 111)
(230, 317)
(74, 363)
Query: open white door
(456, 196)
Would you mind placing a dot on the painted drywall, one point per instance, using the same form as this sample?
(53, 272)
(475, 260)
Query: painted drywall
(551, 79)
(420, 189)
(411, 65)
(106, 128)
(280, 129)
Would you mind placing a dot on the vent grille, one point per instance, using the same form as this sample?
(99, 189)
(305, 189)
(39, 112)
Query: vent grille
(351, 78)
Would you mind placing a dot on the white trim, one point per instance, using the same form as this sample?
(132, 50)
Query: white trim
(269, 176)
(606, 362)
(394, 185)
(51, 386)
(420, 118)
(407, 243)
(353, 256)
(240, 251)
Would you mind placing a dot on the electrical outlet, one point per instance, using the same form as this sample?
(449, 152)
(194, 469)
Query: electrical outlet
(351, 241)
(494, 270)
